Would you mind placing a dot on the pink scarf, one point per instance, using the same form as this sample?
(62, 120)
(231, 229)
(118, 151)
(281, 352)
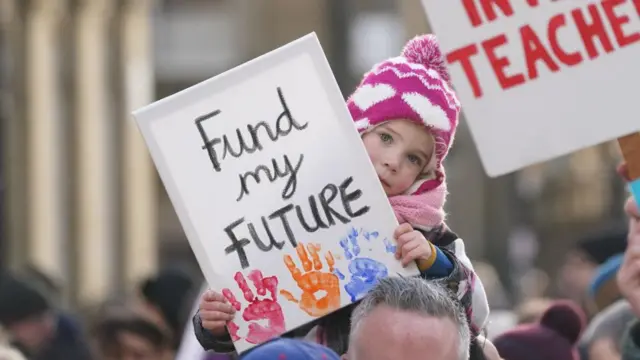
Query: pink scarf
(425, 210)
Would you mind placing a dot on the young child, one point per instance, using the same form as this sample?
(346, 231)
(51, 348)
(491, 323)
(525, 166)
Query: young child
(407, 114)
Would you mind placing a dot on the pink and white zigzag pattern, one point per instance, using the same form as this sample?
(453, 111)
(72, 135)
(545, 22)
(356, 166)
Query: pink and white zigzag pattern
(414, 71)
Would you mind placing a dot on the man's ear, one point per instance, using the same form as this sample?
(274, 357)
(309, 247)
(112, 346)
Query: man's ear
(344, 356)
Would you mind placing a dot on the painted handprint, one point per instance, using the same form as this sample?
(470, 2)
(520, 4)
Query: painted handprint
(264, 308)
(320, 289)
(364, 272)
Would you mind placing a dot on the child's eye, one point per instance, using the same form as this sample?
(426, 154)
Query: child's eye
(385, 137)
(415, 159)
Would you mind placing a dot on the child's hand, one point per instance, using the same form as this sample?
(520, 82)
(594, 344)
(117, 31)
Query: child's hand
(215, 311)
(412, 245)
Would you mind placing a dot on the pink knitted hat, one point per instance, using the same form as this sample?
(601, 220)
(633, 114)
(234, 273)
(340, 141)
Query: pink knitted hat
(414, 87)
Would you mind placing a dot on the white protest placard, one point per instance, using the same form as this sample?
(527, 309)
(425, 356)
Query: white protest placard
(539, 79)
(274, 189)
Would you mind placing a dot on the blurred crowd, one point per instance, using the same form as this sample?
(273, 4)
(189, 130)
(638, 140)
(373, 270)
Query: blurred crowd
(155, 323)
(146, 326)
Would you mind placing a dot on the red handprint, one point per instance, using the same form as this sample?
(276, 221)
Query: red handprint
(258, 309)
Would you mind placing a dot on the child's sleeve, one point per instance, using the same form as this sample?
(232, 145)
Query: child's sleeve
(219, 344)
(437, 266)
(467, 285)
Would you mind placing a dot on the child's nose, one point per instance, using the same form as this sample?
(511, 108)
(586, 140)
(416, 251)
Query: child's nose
(391, 164)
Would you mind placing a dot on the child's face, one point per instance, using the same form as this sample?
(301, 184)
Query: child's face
(399, 150)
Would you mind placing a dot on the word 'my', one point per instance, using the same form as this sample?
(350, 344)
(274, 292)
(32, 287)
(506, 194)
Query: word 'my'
(285, 123)
(274, 173)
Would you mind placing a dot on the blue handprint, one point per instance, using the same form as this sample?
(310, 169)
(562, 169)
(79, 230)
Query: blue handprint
(364, 271)
(369, 235)
(389, 246)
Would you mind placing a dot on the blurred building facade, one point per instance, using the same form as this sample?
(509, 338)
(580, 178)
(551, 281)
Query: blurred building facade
(80, 193)
(81, 198)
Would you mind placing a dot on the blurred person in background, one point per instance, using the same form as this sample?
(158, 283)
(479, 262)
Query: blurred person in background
(531, 310)
(528, 311)
(68, 323)
(124, 334)
(496, 293)
(628, 279)
(601, 339)
(45, 283)
(534, 283)
(582, 261)
(7, 352)
(603, 289)
(553, 337)
(34, 326)
(628, 276)
(167, 298)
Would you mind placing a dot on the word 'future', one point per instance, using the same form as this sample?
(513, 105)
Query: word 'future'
(324, 214)
(285, 123)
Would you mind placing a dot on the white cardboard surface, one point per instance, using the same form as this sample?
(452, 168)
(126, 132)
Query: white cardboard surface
(318, 142)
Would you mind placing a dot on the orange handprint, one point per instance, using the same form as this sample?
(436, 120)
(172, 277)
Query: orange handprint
(314, 281)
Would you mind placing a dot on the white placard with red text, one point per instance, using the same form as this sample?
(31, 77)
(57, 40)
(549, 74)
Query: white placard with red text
(541, 78)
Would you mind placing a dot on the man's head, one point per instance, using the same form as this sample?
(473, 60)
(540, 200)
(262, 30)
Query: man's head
(408, 318)
(124, 334)
(25, 313)
(168, 296)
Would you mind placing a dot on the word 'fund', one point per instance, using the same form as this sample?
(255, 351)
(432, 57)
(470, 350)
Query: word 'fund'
(590, 25)
(324, 214)
(285, 123)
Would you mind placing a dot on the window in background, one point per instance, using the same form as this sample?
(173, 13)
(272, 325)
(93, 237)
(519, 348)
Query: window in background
(194, 40)
(373, 37)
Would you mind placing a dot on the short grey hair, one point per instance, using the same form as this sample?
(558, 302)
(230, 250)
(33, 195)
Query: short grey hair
(414, 294)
